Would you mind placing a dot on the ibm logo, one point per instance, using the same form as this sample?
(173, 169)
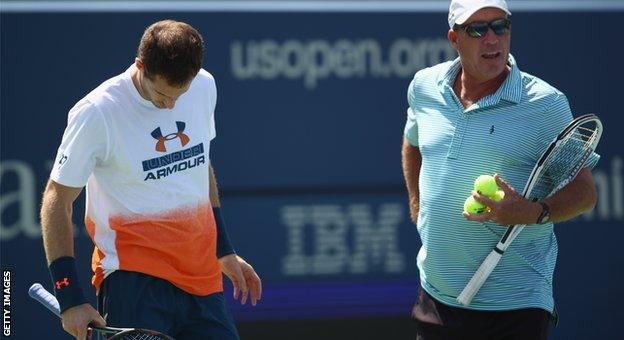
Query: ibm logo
(342, 239)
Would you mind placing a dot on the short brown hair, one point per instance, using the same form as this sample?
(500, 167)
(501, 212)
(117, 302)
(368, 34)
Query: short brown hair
(173, 50)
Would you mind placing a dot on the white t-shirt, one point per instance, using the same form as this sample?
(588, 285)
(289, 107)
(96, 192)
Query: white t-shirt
(146, 172)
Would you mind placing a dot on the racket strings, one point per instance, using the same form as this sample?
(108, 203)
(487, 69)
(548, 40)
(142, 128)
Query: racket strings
(566, 160)
(586, 133)
(139, 335)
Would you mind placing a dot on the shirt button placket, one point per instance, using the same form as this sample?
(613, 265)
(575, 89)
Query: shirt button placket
(460, 128)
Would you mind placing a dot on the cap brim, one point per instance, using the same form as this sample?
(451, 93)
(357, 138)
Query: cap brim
(462, 19)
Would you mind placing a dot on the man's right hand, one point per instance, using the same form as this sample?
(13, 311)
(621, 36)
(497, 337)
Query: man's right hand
(76, 319)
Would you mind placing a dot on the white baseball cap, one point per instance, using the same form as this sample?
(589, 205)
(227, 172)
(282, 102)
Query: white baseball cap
(461, 10)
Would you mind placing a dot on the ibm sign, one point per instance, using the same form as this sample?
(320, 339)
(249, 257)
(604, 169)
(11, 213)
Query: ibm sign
(342, 239)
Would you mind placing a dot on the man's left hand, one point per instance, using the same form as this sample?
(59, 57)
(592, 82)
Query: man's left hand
(511, 210)
(243, 277)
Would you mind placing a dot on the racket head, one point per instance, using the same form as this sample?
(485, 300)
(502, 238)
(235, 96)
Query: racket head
(564, 157)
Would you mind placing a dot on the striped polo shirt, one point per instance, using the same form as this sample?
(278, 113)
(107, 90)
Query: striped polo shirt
(505, 133)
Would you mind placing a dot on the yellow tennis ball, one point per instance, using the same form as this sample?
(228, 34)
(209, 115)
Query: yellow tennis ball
(472, 206)
(485, 185)
(498, 195)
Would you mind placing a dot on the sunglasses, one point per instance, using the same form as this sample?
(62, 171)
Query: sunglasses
(480, 28)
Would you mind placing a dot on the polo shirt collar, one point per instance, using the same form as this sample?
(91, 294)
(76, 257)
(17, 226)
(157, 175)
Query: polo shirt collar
(510, 90)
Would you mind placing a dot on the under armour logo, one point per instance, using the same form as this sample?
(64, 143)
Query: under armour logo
(62, 283)
(160, 145)
(492, 129)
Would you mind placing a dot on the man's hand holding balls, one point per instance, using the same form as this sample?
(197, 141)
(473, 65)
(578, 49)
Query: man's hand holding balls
(505, 206)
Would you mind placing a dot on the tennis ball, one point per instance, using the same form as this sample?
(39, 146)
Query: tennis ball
(498, 195)
(473, 206)
(486, 185)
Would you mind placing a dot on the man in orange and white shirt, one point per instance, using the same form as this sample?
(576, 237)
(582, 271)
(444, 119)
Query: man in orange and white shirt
(140, 143)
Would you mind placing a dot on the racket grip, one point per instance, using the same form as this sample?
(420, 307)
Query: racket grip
(37, 292)
(479, 277)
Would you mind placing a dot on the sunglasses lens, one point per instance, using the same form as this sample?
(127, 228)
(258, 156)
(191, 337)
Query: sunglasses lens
(500, 27)
(477, 29)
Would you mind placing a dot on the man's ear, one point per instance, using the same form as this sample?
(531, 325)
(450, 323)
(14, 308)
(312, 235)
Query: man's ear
(138, 63)
(452, 38)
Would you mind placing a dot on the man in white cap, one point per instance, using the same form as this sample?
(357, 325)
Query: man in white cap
(476, 115)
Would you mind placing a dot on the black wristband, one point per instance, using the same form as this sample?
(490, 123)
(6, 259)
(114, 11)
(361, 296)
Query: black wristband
(66, 285)
(544, 216)
(224, 246)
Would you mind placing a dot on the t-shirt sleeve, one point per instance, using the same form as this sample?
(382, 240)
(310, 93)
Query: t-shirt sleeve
(411, 126)
(212, 95)
(83, 147)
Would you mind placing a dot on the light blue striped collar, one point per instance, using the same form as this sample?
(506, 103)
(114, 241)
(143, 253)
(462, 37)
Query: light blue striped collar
(510, 90)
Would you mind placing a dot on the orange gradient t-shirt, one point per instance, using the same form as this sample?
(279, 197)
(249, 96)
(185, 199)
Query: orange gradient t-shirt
(147, 181)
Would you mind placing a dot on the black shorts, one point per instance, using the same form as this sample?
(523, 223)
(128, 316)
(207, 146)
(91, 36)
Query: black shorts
(135, 300)
(437, 321)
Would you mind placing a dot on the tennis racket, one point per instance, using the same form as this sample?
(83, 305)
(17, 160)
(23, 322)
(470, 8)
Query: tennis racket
(44, 297)
(558, 166)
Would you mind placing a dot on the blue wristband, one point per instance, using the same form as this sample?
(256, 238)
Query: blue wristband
(224, 246)
(66, 284)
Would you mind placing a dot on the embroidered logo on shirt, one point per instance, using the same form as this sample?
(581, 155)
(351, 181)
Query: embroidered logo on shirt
(160, 144)
(492, 129)
(62, 158)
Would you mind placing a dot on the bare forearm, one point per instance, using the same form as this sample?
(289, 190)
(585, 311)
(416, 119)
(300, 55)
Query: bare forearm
(412, 160)
(57, 231)
(574, 199)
